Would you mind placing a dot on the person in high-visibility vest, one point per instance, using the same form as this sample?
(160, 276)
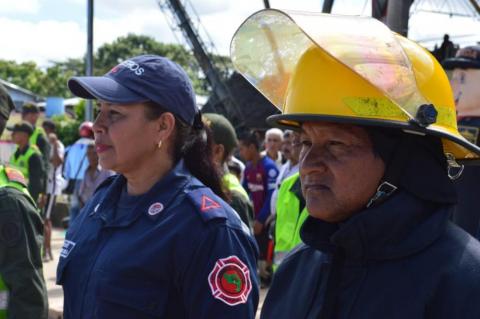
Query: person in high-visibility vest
(22, 287)
(27, 158)
(291, 213)
(224, 141)
(30, 114)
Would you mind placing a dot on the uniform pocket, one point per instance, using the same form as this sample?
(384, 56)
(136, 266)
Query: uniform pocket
(127, 298)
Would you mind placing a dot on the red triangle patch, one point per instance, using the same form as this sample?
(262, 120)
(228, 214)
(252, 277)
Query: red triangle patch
(208, 203)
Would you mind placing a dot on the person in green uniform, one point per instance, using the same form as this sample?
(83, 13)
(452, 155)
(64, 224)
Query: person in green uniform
(224, 143)
(30, 114)
(22, 287)
(28, 159)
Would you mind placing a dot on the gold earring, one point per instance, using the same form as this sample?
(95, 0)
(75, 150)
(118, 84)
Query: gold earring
(159, 145)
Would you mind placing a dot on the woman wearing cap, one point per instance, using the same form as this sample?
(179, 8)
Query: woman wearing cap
(156, 240)
(379, 150)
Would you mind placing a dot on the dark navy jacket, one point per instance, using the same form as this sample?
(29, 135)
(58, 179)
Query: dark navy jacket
(400, 260)
(182, 253)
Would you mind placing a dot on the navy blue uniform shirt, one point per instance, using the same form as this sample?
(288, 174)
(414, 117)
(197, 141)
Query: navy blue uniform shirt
(181, 252)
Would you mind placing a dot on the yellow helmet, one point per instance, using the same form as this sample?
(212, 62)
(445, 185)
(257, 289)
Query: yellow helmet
(347, 69)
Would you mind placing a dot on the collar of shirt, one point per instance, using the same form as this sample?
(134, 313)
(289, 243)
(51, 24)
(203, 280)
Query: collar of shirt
(401, 226)
(163, 193)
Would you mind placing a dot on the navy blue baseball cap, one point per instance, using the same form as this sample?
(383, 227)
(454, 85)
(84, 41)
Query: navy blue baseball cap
(141, 79)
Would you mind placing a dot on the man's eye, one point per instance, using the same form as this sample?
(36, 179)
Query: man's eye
(306, 143)
(336, 143)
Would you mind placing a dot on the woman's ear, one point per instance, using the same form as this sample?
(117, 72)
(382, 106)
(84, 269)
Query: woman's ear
(165, 125)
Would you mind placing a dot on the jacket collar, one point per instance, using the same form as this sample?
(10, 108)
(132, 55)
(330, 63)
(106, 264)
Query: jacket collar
(163, 193)
(401, 226)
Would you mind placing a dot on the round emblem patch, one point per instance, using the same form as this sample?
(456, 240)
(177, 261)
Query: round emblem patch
(230, 281)
(272, 173)
(155, 208)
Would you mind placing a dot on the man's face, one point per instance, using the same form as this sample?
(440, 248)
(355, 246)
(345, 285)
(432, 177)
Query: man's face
(296, 147)
(92, 156)
(287, 146)
(20, 138)
(245, 151)
(31, 117)
(338, 169)
(273, 142)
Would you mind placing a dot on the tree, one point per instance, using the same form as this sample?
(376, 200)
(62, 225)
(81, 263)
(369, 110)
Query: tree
(52, 81)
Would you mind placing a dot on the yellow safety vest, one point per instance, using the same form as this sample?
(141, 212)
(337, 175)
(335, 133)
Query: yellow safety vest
(21, 162)
(232, 183)
(36, 132)
(288, 221)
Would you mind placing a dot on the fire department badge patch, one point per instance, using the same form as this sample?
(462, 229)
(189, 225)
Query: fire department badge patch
(230, 281)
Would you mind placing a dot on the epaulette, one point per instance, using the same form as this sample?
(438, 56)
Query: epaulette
(14, 175)
(207, 204)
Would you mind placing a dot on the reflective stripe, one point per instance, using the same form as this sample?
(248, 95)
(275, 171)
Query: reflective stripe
(3, 299)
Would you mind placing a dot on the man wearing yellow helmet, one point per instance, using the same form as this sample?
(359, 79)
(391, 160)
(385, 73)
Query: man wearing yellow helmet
(380, 148)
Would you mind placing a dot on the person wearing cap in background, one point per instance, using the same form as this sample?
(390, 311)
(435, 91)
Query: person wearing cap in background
(157, 240)
(224, 143)
(273, 143)
(30, 114)
(22, 288)
(380, 146)
(28, 159)
(55, 184)
(465, 81)
(75, 165)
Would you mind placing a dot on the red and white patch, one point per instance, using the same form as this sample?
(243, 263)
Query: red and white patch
(230, 281)
(14, 175)
(155, 208)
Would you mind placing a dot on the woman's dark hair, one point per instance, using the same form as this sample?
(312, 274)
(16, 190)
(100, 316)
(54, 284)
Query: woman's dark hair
(194, 145)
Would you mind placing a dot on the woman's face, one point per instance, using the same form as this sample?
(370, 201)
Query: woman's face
(338, 169)
(124, 137)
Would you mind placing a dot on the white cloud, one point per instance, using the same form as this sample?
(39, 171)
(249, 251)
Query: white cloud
(19, 6)
(41, 42)
(147, 22)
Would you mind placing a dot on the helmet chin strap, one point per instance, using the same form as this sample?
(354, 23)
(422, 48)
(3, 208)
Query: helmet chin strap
(393, 171)
(455, 170)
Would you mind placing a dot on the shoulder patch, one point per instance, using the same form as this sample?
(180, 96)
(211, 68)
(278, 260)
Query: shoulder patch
(15, 175)
(230, 281)
(207, 203)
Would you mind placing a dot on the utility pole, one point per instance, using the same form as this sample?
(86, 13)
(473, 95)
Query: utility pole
(397, 15)
(89, 62)
(327, 6)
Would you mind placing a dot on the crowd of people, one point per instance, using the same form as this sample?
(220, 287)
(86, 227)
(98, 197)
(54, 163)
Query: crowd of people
(342, 209)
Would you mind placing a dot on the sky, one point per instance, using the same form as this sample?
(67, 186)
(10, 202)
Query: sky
(54, 30)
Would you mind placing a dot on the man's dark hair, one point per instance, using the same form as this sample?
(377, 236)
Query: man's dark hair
(50, 125)
(250, 138)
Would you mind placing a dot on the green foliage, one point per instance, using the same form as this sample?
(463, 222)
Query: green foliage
(67, 128)
(53, 80)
